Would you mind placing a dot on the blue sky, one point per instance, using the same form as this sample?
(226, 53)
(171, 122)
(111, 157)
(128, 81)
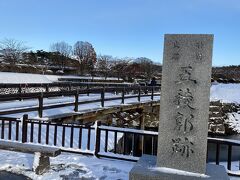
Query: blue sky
(132, 28)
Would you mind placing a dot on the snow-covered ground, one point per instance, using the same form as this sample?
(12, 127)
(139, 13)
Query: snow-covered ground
(228, 93)
(73, 166)
(67, 166)
(234, 121)
(11, 78)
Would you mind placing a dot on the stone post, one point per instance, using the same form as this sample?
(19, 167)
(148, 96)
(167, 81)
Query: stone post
(184, 113)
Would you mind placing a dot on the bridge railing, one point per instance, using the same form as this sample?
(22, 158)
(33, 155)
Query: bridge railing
(69, 137)
(53, 87)
(227, 150)
(104, 141)
(135, 142)
(136, 92)
(6, 127)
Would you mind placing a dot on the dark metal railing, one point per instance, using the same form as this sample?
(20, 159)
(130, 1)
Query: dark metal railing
(105, 141)
(149, 139)
(226, 150)
(133, 143)
(7, 129)
(69, 137)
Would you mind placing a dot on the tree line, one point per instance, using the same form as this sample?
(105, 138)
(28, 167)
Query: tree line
(80, 56)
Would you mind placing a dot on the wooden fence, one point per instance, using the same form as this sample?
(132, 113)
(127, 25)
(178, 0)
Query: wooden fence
(53, 87)
(140, 92)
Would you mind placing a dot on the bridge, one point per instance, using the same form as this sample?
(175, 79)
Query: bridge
(75, 102)
(66, 117)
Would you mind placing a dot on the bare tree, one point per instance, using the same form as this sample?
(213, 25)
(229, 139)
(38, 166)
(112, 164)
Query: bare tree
(12, 50)
(119, 68)
(104, 65)
(133, 71)
(63, 49)
(146, 66)
(86, 56)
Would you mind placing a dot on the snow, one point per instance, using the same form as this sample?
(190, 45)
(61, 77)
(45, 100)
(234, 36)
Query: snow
(67, 166)
(236, 142)
(36, 160)
(235, 169)
(228, 93)
(129, 157)
(79, 166)
(129, 130)
(23, 78)
(178, 172)
(85, 77)
(233, 120)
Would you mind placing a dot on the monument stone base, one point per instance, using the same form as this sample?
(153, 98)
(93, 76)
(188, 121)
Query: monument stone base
(145, 169)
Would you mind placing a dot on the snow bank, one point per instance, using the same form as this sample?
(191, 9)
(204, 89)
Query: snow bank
(11, 78)
(86, 77)
(36, 159)
(233, 120)
(178, 172)
(228, 93)
(67, 166)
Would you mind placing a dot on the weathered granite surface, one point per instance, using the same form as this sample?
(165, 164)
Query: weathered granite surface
(146, 169)
(41, 163)
(184, 112)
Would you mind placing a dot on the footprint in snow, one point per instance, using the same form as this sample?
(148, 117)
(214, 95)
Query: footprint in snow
(112, 170)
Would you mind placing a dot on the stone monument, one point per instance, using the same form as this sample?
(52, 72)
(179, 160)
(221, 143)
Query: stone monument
(184, 113)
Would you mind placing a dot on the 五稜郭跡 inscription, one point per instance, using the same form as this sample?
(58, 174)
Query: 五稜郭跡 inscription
(185, 102)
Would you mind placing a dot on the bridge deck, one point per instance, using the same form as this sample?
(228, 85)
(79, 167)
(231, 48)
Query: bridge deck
(98, 113)
(89, 106)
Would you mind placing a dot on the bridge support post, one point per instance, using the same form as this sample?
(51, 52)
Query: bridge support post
(40, 105)
(20, 91)
(102, 97)
(87, 89)
(139, 94)
(142, 127)
(24, 128)
(123, 95)
(76, 101)
(98, 139)
(152, 94)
